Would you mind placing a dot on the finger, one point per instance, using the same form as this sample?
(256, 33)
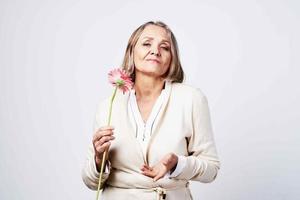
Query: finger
(146, 167)
(101, 137)
(99, 144)
(105, 132)
(148, 173)
(143, 168)
(100, 134)
(104, 128)
(103, 141)
(106, 139)
(101, 148)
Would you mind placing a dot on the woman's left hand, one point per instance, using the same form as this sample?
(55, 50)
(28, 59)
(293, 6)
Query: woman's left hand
(158, 171)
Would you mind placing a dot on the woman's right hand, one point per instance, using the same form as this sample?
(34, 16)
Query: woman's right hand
(101, 142)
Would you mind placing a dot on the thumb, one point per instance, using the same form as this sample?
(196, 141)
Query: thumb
(158, 176)
(165, 161)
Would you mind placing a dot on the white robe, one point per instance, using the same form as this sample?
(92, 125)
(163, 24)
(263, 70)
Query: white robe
(182, 126)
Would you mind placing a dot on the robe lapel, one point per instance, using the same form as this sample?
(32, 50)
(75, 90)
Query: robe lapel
(159, 119)
(132, 129)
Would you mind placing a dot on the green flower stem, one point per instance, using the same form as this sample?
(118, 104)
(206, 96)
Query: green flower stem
(105, 152)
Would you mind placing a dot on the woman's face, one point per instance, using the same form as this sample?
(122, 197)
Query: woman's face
(152, 52)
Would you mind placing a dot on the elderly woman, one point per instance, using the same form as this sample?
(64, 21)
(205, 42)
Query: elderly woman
(161, 136)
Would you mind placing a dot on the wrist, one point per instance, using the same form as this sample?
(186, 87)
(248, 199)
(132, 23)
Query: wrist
(98, 162)
(175, 161)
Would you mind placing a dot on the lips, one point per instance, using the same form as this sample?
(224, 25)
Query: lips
(153, 60)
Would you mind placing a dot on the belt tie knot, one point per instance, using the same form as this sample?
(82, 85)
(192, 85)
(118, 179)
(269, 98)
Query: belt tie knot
(161, 193)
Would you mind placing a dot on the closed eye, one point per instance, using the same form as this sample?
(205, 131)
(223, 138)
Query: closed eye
(166, 48)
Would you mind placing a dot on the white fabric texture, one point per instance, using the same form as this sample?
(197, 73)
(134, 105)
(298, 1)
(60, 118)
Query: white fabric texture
(144, 129)
(182, 126)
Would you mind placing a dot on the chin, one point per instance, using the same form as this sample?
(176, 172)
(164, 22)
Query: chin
(153, 73)
(151, 70)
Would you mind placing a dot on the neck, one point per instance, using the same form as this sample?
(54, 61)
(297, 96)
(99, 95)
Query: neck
(148, 88)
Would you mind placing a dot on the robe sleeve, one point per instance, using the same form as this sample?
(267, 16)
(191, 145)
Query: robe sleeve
(90, 174)
(202, 163)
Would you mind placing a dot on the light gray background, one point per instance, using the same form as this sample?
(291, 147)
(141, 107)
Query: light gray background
(54, 60)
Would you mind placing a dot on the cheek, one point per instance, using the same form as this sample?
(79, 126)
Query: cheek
(138, 59)
(139, 56)
(140, 51)
(168, 60)
(136, 56)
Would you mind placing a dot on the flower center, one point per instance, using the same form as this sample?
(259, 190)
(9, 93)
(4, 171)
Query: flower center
(120, 82)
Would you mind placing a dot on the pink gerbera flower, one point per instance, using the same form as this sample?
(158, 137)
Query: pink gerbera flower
(119, 78)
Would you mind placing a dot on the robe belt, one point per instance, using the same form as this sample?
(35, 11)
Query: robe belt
(160, 191)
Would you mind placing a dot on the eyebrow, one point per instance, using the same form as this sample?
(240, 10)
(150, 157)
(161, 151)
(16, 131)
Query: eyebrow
(151, 38)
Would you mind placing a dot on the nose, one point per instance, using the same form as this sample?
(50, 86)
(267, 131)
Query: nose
(155, 51)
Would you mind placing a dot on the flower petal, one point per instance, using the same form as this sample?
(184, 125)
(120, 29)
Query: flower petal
(118, 77)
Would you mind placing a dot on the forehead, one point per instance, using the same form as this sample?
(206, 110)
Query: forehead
(156, 32)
